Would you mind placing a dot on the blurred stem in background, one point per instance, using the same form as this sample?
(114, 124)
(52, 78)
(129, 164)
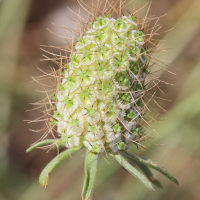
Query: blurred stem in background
(13, 14)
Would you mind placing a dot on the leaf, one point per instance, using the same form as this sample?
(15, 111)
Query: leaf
(44, 176)
(134, 171)
(147, 172)
(90, 172)
(149, 163)
(42, 143)
(90, 197)
(45, 142)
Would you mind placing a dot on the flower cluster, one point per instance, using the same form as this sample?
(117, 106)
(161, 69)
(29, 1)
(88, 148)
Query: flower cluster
(99, 100)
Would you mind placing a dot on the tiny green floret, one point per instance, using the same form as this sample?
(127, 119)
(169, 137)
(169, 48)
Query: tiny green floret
(99, 86)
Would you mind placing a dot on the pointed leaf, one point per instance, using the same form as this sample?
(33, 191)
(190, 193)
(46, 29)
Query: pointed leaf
(149, 163)
(147, 172)
(134, 171)
(44, 176)
(47, 142)
(90, 172)
(42, 143)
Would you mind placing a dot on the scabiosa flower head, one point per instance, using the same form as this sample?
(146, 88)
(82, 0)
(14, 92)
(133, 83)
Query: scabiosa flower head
(100, 96)
(102, 90)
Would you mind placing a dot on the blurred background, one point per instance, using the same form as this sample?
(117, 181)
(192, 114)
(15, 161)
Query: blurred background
(23, 28)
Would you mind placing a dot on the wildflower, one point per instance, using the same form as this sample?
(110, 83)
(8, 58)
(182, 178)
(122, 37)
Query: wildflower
(101, 96)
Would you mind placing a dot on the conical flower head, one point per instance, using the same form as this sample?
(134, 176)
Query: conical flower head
(99, 100)
(101, 94)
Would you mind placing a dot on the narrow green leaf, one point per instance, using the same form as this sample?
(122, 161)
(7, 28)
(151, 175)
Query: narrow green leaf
(44, 176)
(149, 163)
(90, 172)
(134, 171)
(47, 142)
(147, 172)
(42, 143)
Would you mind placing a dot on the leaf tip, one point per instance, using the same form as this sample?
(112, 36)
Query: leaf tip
(155, 182)
(152, 189)
(44, 180)
(176, 181)
(28, 150)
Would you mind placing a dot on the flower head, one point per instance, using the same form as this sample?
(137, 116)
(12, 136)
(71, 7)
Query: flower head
(102, 94)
